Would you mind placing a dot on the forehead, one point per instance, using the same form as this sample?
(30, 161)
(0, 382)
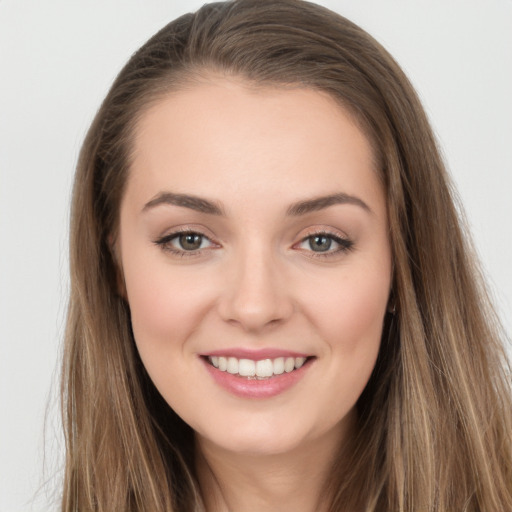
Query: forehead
(227, 137)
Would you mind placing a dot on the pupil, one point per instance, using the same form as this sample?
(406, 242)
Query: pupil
(190, 241)
(320, 243)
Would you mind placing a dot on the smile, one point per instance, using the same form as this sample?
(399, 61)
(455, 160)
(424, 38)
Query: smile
(262, 369)
(255, 375)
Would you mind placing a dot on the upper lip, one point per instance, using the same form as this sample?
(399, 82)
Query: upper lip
(254, 354)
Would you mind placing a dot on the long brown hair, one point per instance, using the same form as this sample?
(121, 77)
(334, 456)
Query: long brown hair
(435, 424)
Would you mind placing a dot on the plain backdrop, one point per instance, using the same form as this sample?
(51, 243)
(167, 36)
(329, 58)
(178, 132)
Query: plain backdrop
(57, 60)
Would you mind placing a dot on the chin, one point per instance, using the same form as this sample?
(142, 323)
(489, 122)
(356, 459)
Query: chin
(260, 439)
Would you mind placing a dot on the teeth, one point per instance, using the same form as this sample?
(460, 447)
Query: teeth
(289, 364)
(299, 361)
(232, 365)
(279, 366)
(246, 368)
(262, 369)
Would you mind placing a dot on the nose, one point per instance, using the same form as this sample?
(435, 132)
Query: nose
(255, 294)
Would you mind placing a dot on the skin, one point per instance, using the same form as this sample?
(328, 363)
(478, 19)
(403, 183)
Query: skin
(256, 282)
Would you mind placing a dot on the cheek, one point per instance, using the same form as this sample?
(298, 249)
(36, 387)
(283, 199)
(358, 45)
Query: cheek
(160, 308)
(165, 302)
(349, 318)
(166, 308)
(352, 312)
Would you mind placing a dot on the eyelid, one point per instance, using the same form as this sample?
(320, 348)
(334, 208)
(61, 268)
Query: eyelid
(164, 241)
(345, 243)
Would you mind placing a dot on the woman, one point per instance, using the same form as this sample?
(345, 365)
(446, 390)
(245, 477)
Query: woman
(273, 304)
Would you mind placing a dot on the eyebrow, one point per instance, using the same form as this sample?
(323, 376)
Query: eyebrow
(319, 203)
(186, 201)
(202, 205)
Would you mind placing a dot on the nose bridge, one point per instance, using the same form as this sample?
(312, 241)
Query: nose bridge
(256, 294)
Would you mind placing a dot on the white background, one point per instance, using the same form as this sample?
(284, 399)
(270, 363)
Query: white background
(57, 60)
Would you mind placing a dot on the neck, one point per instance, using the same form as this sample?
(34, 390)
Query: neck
(291, 481)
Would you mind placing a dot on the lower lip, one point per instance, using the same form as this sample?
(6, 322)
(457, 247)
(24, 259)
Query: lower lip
(255, 388)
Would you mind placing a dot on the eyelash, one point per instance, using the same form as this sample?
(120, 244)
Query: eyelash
(165, 243)
(344, 244)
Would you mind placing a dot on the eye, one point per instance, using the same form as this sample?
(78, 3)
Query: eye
(189, 241)
(320, 243)
(325, 244)
(185, 242)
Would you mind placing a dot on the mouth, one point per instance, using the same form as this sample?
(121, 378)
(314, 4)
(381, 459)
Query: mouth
(262, 369)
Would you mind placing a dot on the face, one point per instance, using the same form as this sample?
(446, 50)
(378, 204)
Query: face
(253, 244)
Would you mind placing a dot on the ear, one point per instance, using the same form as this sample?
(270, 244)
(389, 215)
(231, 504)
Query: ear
(115, 253)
